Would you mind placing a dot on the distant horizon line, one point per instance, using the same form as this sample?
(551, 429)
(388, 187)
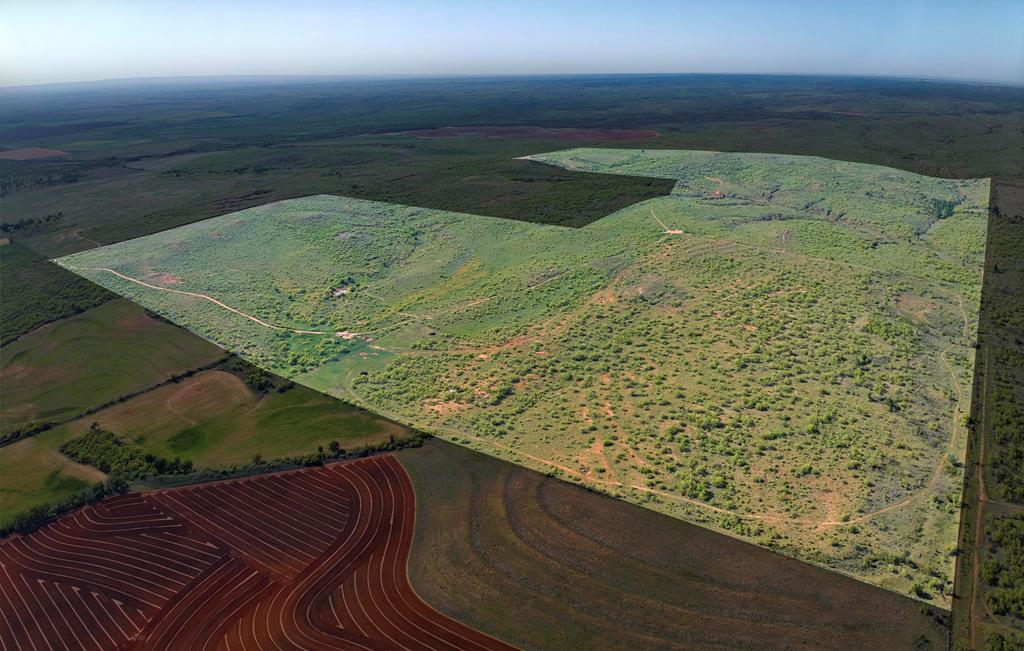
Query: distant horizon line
(166, 79)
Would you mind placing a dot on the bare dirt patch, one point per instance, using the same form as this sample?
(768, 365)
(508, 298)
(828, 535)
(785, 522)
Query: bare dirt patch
(447, 407)
(718, 190)
(31, 153)
(585, 415)
(917, 307)
(605, 297)
(166, 279)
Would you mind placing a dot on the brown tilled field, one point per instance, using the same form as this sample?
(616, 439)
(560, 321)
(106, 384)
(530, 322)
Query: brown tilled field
(30, 153)
(533, 132)
(545, 564)
(311, 559)
(320, 559)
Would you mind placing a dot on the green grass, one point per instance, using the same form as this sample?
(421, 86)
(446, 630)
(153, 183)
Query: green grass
(34, 472)
(36, 291)
(211, 418)
(214, 419)
(62, 369)
(782, 360)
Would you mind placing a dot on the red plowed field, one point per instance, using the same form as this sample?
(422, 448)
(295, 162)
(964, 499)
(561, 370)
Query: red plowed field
(307, 559)
(30, 153)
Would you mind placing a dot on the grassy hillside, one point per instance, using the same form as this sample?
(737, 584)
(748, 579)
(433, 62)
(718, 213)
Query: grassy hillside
(62, 369)
(34, 473)
(779, 349)
(214, 419)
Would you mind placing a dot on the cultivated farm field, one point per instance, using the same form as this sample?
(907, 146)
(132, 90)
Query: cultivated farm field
(586, 571)
(36, 473)
(779, 349)
(311, 558)
(64, 368)
(213, 419)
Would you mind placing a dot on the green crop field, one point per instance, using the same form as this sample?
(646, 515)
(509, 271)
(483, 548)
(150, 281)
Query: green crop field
(60, 370)
(35, 473)
(213, 419)
(780, 348)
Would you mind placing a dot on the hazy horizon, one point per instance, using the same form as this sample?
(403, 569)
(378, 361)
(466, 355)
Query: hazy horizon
(73, 41)
(270, 79)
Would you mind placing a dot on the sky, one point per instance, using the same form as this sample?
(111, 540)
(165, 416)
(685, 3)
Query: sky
(44, 41)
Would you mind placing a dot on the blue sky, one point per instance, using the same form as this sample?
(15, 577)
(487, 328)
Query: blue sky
(66, 40)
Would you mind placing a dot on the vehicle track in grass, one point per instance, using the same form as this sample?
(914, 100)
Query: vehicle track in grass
(218, 303)
(554, 325)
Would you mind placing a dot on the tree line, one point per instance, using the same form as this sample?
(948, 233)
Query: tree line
(104, 450)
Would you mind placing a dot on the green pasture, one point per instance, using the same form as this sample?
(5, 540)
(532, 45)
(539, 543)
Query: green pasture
(33, 472)
(780, 348)
(213, 419)
(62, 369)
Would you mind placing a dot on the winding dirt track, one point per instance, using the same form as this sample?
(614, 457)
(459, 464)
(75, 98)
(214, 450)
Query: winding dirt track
(307, 559)
(207, 297)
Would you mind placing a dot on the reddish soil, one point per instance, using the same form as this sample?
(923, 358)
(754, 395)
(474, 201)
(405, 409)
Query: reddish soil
(30, 153)
(719, 182)
(537, 133)
(312, 559)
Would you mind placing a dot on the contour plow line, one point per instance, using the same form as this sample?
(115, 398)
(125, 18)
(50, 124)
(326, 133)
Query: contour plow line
(357, 594)
(305, 559)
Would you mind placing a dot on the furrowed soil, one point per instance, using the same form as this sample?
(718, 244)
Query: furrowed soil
(545, 564)
(312, 559)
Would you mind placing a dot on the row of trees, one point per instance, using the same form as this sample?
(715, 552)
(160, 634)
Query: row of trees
(30, 223)
(104, 450)
(259, 465)
(30, 520)
(126, 463)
